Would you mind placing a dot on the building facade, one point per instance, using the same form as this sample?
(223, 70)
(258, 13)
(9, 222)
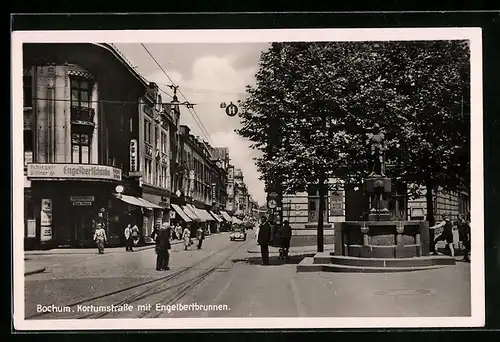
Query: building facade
(80, 106)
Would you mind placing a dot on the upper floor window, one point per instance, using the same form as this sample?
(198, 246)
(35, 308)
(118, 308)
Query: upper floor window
(81, 92)
(147, 131)
(164, 142)
(80, 145)
(27, 91)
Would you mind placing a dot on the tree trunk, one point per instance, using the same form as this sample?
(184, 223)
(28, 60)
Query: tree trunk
(430, 203)
(322, 196)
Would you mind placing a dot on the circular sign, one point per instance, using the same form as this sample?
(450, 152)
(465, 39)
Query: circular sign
(178, 193)
(231, 109)
(271, 204)
(119, 189)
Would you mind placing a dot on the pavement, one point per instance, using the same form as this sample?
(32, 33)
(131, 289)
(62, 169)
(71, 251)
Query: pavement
(33, 265)
(231, 274)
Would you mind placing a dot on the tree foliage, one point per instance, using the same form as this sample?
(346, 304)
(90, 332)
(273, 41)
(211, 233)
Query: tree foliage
(318, 100)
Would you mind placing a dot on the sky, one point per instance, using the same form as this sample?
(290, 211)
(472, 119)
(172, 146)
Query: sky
(207, 74)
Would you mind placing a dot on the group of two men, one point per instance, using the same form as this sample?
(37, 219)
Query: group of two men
(267, 232)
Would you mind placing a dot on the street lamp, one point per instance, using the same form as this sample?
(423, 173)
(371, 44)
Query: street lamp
(119, 189)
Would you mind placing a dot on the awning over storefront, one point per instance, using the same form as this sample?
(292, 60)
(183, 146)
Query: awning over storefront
(138, 202)
(226, 216)
(188, 209)
(216, 217)
(204, 214)
(149, 204)
(237, 220)
(181, 213)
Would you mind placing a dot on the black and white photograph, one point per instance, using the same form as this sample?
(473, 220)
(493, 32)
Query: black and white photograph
(248, 179)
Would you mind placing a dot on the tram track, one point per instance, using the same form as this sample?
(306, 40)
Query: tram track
(147, 289)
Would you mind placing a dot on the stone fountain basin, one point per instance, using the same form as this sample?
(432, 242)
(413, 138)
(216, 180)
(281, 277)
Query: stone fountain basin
(382, 239)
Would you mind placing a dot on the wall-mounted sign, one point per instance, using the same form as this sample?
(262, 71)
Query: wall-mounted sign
(46, 220)
(230, 174)
(214, 187)
(82, 198)
(73, 171)
(336, 204)
(133, 155)
(82, 203)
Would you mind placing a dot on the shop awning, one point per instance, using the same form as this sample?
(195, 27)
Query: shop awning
(138, 202)
(226, 216)
(191, 213)
(237, 220)
(181, 213)
(149, 204)
(216, 217)
(204, 214)
(201, 213)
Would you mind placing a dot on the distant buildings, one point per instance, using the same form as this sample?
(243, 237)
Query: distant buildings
(101, 145)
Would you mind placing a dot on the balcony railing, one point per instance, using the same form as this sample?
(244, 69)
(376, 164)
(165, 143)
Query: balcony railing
(82, 115)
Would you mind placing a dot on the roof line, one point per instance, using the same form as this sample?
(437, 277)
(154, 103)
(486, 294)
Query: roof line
(121, 57)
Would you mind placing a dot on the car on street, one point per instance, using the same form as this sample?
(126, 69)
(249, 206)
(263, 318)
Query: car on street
(238, 233)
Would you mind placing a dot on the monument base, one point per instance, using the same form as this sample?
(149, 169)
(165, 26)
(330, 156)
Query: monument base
(326, 262)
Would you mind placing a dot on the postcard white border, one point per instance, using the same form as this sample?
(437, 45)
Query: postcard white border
(477, 318)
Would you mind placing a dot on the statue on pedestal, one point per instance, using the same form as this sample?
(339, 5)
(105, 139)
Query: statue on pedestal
(376, 140)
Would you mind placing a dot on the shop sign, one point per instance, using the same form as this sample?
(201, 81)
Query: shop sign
(82, 198)
(46, 220)
(213, 191)
(133, 155)
(73, 171)
(82, 203)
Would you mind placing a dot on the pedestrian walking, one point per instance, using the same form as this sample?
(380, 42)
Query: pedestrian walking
(162, 247)
(178, 231)
(128, 238)
(263, 239)
(135, 235)
(446, 235)
(286, 236)
(464, 235)
(186, 236)
(100, 238)
(200, 235)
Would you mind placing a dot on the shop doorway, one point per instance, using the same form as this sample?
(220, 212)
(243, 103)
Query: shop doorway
(83, 227)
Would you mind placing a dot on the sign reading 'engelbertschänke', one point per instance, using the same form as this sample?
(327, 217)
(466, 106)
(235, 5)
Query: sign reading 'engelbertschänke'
(73, 171)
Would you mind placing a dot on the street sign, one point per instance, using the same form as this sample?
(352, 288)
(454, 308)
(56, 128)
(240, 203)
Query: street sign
(271, 204)
(231, 109)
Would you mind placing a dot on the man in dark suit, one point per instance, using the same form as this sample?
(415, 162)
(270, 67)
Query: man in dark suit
(162, 238)
(263, 240)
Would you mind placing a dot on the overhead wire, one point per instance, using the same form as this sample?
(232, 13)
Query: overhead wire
(193, 113)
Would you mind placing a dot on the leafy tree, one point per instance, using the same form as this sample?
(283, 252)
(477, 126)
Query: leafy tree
(313, 103)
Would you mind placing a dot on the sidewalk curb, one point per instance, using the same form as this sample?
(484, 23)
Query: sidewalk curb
(84, 251)
(35, 271)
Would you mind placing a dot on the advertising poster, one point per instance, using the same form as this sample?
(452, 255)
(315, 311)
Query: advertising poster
(46, 220)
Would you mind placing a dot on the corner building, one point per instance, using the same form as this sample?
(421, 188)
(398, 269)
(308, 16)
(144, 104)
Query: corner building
(80, 113)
